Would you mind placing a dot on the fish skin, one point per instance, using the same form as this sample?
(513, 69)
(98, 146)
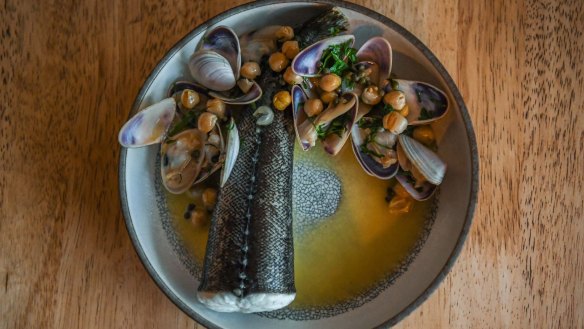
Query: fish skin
(270, 256)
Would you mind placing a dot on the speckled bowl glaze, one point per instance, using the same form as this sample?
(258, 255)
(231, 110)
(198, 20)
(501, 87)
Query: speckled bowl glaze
(143, 201)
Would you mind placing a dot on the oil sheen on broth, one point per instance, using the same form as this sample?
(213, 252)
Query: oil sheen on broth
(340, 256)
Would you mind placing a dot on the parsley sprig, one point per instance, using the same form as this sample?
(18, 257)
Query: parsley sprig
(338, 58)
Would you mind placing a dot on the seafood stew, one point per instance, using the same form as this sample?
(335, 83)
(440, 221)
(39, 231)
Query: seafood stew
(233, 129)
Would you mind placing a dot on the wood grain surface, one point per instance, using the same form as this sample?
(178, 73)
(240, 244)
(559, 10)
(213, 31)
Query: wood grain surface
(69, 71)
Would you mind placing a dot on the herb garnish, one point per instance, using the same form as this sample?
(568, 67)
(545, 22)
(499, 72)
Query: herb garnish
(338, 58)
(424, 114)
(337, 127)
(189, 120)
(334, 30)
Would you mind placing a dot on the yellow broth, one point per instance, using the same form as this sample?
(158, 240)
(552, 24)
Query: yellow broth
(344, 255)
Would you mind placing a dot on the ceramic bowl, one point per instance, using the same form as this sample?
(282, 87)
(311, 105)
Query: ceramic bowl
(164, 257)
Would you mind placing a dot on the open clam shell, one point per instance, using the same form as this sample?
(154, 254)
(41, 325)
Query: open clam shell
(148, 126)
(182, 156)
(231, 151)
(179, 86)
(225, 42)
(212, 70)
(306, 63)
(214, 154)
(377, 50)
(426, 102)
(425, 160)
(305, 132)
(253, 94)
(366, 161)
(333, 143)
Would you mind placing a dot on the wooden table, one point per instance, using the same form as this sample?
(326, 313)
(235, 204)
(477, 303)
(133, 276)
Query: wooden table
(69, 72)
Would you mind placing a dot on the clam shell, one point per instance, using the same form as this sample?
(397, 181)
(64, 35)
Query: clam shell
(299, 117)
(231, 151)
(334, 143)
(426, 161)
(212, 70)
(179, 86)
(421, 95)
(307, 61)
(179, 168)
(367, 162)
(254, 93)
(225, 42)
(220, 145)
(148, 126)
(420, 194)
(377, 50)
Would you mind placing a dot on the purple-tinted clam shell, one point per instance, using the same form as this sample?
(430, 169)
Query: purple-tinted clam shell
(253, 94)
(334, 143)
(179, 86)
(425, 160)
(377, 50)
(298, 114)
(421, 194)
(426, 102)
(368, 164)
(148, 126)
(306, 63)
(225, 42)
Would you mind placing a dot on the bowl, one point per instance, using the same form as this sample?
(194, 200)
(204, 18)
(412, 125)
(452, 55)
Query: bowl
(164, 255)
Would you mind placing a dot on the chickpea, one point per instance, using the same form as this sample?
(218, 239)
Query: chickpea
(313, 107)
(281, 100)
(405, 111)
(395, 123)
(396, 99)
(206, 121)
(292, 78)
(278, 62)
(199, 217)
(209, 198)
(250, 70)
(330, 82)
(371, 95)
(217, 107)
(424, 135)
(189, 98)
(328, 97)
(285, 33)
(290, 49)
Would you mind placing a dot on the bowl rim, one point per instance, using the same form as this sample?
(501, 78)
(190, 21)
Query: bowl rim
(373, 15)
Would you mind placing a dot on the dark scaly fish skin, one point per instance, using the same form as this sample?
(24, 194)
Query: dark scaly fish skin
(250, 246)
(267, 264)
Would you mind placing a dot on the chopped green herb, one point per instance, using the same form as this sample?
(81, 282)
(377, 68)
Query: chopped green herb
(371, 123)
(387, 109)
(366, 150)
(394, 84)
(305, 83)
(334, 30)
(320, 131)
(231, 125)
(347, 83)
(253, 106)
(338, 58)
(189, 120)
(424, 114)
